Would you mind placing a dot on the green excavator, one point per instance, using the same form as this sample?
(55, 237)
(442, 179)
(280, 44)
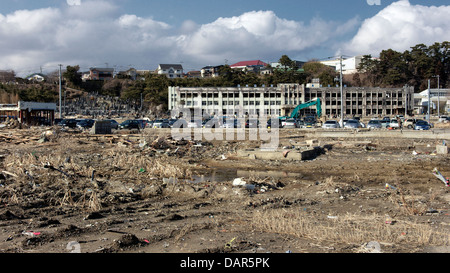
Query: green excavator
(312, 102)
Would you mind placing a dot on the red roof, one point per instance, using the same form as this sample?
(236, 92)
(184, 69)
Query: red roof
(248, 63)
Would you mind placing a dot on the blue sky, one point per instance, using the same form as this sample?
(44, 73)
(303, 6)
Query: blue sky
(196, 33)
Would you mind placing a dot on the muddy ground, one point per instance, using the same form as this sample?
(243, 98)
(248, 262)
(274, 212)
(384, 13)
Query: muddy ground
(66, 191)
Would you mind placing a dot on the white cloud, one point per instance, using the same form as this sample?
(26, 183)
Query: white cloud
(400, 26)
(95, 32)
(258, 34)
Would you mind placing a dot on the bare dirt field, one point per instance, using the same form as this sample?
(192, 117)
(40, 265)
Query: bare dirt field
(66, 191)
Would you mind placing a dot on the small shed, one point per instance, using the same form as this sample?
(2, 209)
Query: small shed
(30, 113)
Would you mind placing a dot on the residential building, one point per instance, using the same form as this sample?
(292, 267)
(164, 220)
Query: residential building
(210, 71)
(282, 99)
(349, 65)
(100, 74)
(249, 66)
(194, 74)
(130, 73)
(170, 70)
(279, 66)
(37, 77)
(437, 96)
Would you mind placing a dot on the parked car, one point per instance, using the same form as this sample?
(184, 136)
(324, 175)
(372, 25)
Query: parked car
(85, 123)
(161, 123)
(130, 124)
(290, 123)
(57, 121)
(252, 123)
(374, 124)
(143, 122)
(352, 123)
(172, 122)
(231, 123)
(331, 124)
(194, 124)
(409, 123)
(178, 123)
(275, 124)
(211, 123)
(394, 124)
(114, 124)
(71, 123)
(310, 121)
(422, 125)
(385, 123)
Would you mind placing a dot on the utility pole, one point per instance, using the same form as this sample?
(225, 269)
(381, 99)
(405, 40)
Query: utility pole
(428, 113)
(60, 110)
(342, 95)
(439, 114)
(406, 100)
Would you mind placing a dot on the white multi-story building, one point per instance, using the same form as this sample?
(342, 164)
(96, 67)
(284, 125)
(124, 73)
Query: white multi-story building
(280, 100)
(437, 96)
(349, 65)
(170, 70)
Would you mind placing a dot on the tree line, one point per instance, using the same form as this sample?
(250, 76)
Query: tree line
(412, 67)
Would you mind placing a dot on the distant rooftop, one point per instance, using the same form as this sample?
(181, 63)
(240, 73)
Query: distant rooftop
(248, 63)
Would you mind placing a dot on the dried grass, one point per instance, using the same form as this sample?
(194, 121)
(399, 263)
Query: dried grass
(346, 229)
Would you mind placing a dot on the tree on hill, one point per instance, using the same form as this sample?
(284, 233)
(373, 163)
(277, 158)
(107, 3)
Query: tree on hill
(72, 76)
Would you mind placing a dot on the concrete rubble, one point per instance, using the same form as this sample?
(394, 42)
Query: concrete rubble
(148, 192)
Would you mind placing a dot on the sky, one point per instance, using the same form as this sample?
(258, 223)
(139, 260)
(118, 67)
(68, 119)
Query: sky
(39, 35)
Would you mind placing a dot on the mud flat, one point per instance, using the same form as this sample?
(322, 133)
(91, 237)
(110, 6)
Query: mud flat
(67, 191)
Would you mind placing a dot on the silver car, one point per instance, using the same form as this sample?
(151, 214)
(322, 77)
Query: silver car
(352, 123)
(290, 123)
(394, 124)
(374, 124)
(331, 124)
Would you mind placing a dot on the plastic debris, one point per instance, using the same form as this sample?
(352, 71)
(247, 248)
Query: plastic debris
(228, 245)
(239, 182)
(31, 233)
(388, 186)
(441, 177)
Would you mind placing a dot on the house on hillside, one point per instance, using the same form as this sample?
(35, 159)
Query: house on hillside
(194, 74)
(249, 66)
(279, 66)
(210, 71)
(170, 70)
(349, 65)
(36, 77)
(100, 74)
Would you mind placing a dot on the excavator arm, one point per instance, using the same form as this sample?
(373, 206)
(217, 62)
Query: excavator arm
(315, 101)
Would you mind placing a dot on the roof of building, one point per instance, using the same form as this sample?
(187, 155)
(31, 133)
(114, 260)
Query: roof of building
(102, 69)
(35, 74)
(168, 66)
(248, 63)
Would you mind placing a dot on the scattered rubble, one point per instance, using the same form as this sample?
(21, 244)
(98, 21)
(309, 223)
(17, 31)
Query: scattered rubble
(68, 191)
